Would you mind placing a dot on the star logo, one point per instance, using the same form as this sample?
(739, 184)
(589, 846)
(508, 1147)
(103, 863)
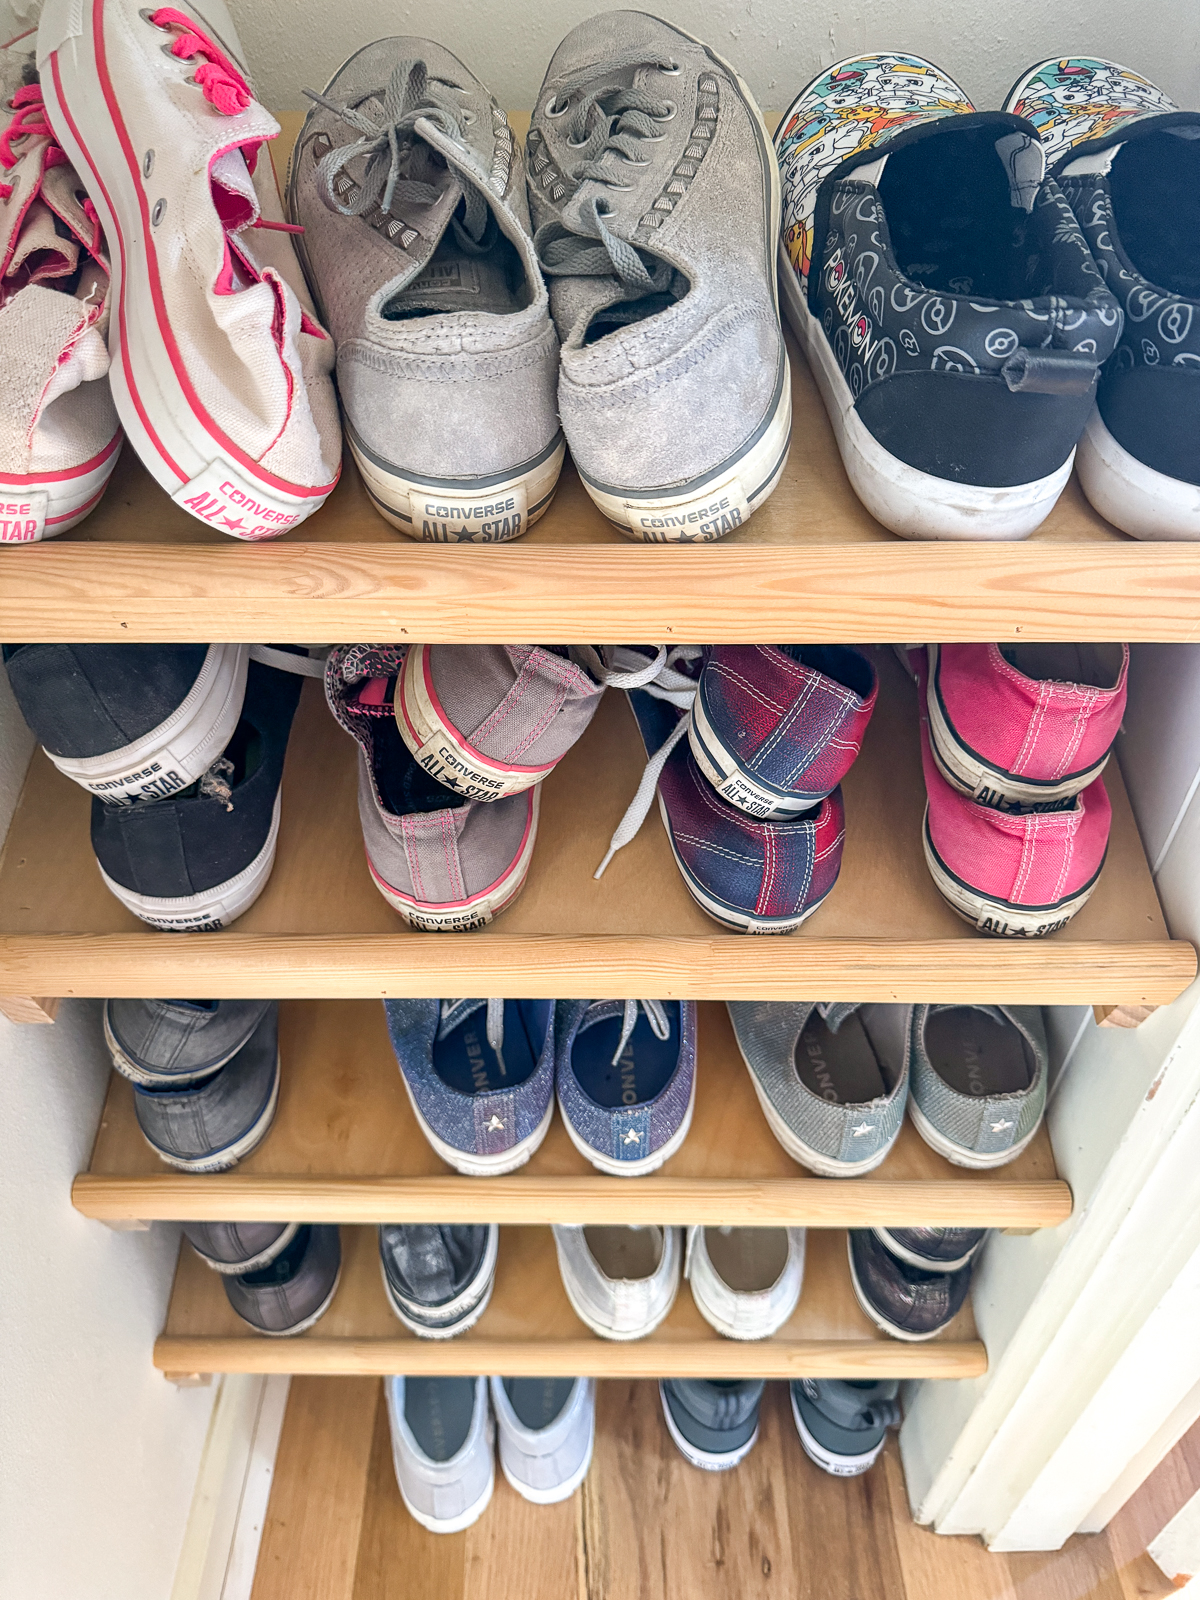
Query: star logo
(494, 1125)
(632, 1137)
(863, 1127)
(234, 527)
(999, 1127)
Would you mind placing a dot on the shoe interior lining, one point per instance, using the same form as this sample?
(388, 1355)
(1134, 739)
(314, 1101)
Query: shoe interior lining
(1155, 187)
(1098, 665)
(538, 1401)
(977, 1055)
(747, 1259)
(403, 784)
(621, 313)
(438, 1412)
(835, 661)
(843, 1068)
(466, 1061)
(488, 278)
(645, 1065)
(626, 1252)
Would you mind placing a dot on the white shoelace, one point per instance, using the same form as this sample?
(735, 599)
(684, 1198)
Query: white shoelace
(311, 665)
(663, 681)
(656, 1016)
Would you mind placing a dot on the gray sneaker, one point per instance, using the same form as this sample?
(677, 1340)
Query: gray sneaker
(979, 1081)
(157, 1042)
(832, 1079)
(547, 1429)
(714, 1421)
(212, 1125)
(293, 1291)
(442, 1449)
(231, 1248)
(438, 1278)
(411, 191)
(843, 1423)
(620, 1281)
(655, 194)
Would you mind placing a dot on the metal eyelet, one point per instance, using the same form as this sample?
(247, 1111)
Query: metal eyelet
(147, 16)
(555, 110)
(672, 71)
(575, 144)
(666, 116)
(147, 163)
(468, 117)
(159, 212)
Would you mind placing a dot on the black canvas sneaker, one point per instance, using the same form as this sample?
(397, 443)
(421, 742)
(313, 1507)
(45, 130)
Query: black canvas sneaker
(900, 1299)
(713, 1421)
(843, 1423)
(291, 1292)
(1128, 161)
(952, 313)
(438, 1278)
(196, 862)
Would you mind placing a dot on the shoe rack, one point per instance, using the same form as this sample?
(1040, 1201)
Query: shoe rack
(345, 1147)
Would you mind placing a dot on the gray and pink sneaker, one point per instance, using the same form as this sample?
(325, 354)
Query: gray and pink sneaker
(443, 860)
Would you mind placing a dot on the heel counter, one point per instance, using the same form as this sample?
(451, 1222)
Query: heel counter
(1154, 413)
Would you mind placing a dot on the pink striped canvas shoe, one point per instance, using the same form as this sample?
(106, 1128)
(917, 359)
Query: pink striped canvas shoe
(1024, 727)
(1016, 874)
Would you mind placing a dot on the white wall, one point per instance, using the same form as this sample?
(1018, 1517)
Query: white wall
(98, 1453)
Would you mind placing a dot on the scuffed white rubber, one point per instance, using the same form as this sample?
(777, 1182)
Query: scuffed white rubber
(1134, 497)
(960, 1157)
(836, 1466)
(706, 1460)
(234, 1269)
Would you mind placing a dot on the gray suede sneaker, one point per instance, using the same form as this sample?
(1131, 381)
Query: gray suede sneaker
(655, 194)
(410, 188)
(160, 1042)
(295, 1289)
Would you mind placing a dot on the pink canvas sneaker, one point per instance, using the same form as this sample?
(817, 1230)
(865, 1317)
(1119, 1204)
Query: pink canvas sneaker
(1020, 875)
(59, 434)
(1024, 727)
(221, 374)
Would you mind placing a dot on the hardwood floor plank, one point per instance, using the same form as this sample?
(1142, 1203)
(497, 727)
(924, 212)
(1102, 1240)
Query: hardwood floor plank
(310, 1540)
(1082, 1570)
(937, 1565)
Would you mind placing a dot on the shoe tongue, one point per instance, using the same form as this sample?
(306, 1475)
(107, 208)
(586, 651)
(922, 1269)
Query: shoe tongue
(233, 191)
(455, 1013)
(39, 250)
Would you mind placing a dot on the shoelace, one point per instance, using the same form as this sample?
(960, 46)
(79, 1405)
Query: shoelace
(222, 84)
(608, 127)
(28, 121)
(656, 1016)
(493, 1026)
(387, 144)
(663, 681)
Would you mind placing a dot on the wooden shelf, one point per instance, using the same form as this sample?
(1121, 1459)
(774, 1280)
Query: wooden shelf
(345, 1147)
(322, 930)
(529, 1329)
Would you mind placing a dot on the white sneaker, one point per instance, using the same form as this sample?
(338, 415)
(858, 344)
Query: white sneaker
(442, 1449)
(746, 1282)
(547, 1429)
(220, 370)
(620, 1281)
(59, 434)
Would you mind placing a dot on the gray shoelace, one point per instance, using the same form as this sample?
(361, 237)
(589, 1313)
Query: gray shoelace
(609, 127)
(493, 1026)
(387, 145)
(656, 1016)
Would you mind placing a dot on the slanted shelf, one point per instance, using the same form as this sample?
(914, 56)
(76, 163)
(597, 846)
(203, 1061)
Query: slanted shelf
(321, 929)
(530, 1330)
(346, 1147)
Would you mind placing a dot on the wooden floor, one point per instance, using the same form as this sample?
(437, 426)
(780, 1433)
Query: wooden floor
(646, 1526)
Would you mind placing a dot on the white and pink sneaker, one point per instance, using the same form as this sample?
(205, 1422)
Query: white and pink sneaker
(220, 371)
(59, 433)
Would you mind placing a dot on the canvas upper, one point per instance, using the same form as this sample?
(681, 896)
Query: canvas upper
(847, 1419)
(546, 1431)
(442, 1433)
(979, 1075)
(178, 1041)
(746, 1282)
(716, 1416)
(653, 191)
(411, 190)
(295, 1288)
(231, 1248)
(621, 1281)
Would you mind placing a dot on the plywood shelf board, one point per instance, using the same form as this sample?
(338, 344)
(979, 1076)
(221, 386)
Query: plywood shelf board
(530, 1329)
(346, 1147)
(322, 929)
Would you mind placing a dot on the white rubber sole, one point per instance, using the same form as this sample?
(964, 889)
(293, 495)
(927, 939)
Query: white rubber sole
(633, 1169)
(451, 1524)
(913, 504)
(232, 1154)
(441, 750)
(212, 910)
(469, 1317)
(309, 1322)
(179, 750)
(992, 786)
(910, 1257)
(476, 1166)
(1134, 497)
(877, 1318)
(179, 443)
(704, 1459)
(999, 917)
(560, 1491)
(959, 1157)
(720, 767)
(235, 1269)
(158, 1080)
(480, 909)
(490, 510)
(36, 506)
(836, 1466)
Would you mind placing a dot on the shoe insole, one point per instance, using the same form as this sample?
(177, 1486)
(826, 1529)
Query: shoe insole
(465, 1060)
(841, 1067)
(487, 279)
(643, 1069)
(626, 1252)
(1098, 665)
(747, 1259)
(1155, 185)
(537, 1401)
(439, 1411)
(975, 1054)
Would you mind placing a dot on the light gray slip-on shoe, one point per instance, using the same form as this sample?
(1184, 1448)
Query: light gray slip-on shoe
(746, 1282)
(620, 1281)
(231, 1248)
(655, 194)
(832, 1079)
(438, 1278)
(978, 1081)
(290, 1293)
(156, 1042)
(442, 1449)
(211, 1125)
(410, 188)
(547, 1428)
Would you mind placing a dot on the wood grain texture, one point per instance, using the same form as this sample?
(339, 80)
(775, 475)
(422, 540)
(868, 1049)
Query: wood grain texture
(345, 1146)
(530, 1329)
(321, 928)
(25, 1008)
